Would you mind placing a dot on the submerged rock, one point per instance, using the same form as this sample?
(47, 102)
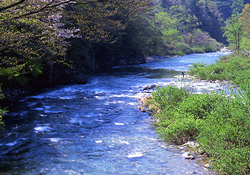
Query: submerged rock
(149, 87)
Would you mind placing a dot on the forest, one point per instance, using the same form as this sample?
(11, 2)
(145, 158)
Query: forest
(44, 41)
(57, 42)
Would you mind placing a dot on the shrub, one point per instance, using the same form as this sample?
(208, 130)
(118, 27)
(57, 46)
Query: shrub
(180, 130)
(232, 68)
(168, 96)
(220, 124)
(199, 106)
(225, 135)
(180, 112)
(245, 86)
(198, 49)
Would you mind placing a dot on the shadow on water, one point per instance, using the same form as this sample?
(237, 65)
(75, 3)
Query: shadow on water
(143, 72)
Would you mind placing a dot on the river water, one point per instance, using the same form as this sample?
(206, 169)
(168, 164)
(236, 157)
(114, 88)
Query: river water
(96, 128)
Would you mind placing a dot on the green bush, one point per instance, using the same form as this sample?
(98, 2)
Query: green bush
(11, 76)
(195, 68)
(245, 86)
(219, 122)
(225, 135)
(198, 49)
(179, 130)
(231, 68)
(199, 106)
(169, 96)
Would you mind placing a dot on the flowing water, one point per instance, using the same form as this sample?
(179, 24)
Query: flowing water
(96, 128)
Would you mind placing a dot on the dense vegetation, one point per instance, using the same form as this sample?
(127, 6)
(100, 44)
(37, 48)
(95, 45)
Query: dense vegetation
(220, 123)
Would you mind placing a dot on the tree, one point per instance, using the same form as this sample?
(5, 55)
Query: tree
(34, 33)
(167, 25)
(237, 6)
(234, 31)
(31, 36)
(22, 8)
(245, 19)
(186, 21)
(98, 21)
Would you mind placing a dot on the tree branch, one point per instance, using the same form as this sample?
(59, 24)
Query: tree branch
(32, 12)
(11, 5)
(51, 5)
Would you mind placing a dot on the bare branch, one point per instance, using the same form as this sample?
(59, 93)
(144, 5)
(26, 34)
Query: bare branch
(51, 5)
(32, 12)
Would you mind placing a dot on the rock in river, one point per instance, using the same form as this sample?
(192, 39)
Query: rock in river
(188, 155)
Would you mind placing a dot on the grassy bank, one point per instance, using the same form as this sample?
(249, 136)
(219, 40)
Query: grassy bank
(234, 68)
(220, 123)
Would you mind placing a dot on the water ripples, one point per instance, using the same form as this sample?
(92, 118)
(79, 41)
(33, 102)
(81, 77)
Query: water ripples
(95, 128)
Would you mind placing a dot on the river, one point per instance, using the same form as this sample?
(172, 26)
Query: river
(96, 128)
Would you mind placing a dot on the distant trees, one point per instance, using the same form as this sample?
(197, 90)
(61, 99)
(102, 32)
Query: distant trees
(178, 22)
(246, 26)
(234, 31)
(237, 6)
(237, 30)
(167, 25)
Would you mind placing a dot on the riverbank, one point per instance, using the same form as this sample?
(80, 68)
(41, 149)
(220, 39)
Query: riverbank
(219, 122)
(190, 148)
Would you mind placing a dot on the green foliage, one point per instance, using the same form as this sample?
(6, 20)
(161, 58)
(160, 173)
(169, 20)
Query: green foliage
(245, 86)
(208, 16)
(179, 131)
(225, 135)
(28, 44)
(246, 27)
(11, 76)
(237, 6)
(2, 111)
(234, 31)
(220, 123)
(231, 68)
(198, 106)
(168, 27)
(169, 96)
(177, 32)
